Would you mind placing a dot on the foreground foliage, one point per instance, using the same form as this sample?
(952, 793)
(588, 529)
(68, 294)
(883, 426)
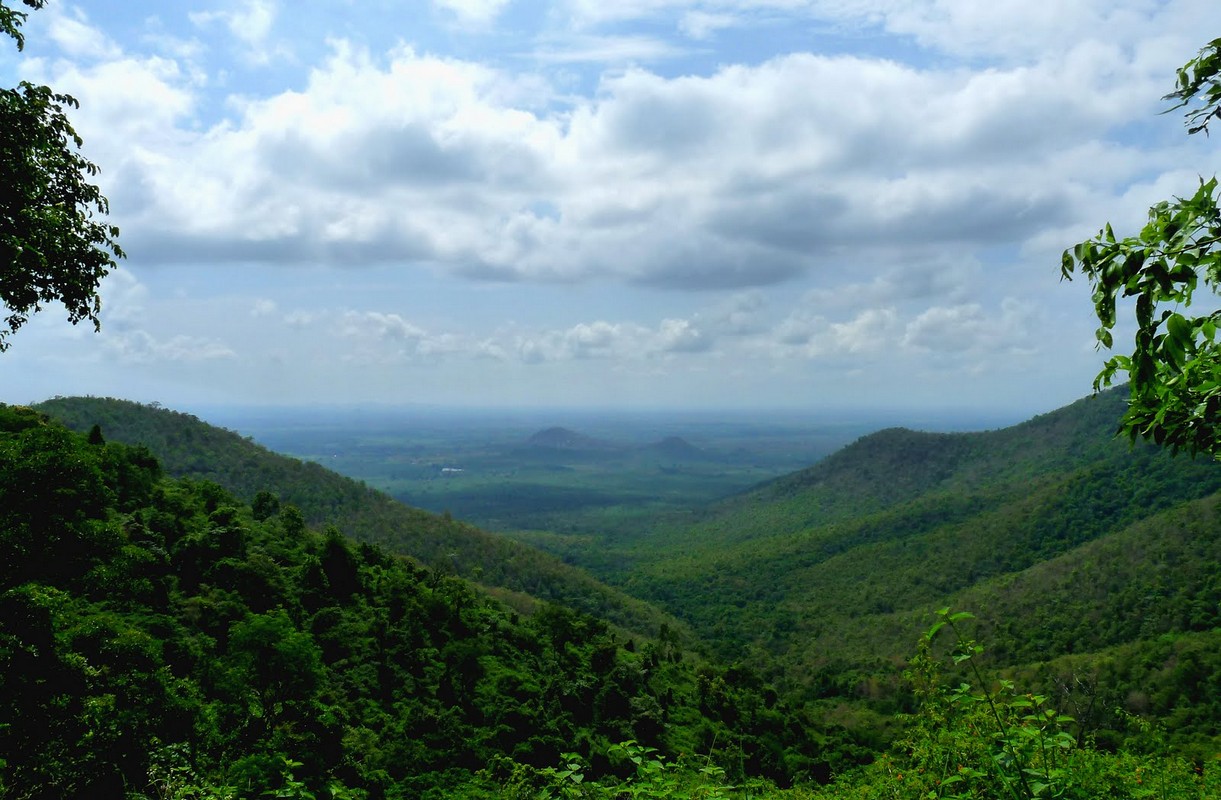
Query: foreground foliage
(966, 740)
(1174, 370)
(974, 737)
(52, 246)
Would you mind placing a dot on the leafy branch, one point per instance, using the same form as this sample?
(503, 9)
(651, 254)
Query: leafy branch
(1174, 370)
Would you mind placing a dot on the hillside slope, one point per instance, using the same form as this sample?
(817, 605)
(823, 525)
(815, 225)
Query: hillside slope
(159, 637)
(190, 448)
(1064, 539)
(896, 466)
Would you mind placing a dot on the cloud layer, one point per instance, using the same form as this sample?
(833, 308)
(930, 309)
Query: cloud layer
(747, 176)
(891, 194)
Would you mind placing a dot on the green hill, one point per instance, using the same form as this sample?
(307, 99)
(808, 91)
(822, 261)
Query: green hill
(190, 448)
(897, 466)
(161, 638)
(1062, 538)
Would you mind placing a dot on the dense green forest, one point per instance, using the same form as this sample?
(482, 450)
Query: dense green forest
(160, 637)
(190, 448)
(1066, 540)
(169, 636)
(1032, 612)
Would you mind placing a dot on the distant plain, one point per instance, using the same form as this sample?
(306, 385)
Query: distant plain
(627, 469)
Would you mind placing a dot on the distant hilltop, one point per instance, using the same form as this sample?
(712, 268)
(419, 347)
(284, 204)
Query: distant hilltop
(672, 448)
(678, 448)
(564, 439)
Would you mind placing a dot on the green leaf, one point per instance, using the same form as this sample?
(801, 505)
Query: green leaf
(1180, 329)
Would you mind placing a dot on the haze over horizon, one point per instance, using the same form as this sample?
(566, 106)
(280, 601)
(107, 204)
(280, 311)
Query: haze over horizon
(695, 204)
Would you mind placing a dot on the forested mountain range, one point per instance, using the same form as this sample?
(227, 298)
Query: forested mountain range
(1063, 539)
(162, 638)
(1092, 566)
(190, 448)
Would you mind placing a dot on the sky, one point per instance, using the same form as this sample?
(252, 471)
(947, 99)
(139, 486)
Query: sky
(739, 204)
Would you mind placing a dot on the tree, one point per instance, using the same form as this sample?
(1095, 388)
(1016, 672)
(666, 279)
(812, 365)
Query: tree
(1174, 371)
(52, 246)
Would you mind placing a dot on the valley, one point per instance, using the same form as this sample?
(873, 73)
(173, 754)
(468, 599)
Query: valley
(492, 400)
(1090, 564)
(554, 470)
